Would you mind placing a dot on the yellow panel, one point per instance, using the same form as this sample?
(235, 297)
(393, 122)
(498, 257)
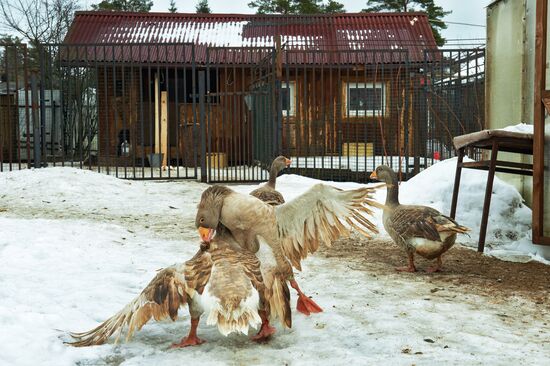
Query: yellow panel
(217, 160)
(357, 149)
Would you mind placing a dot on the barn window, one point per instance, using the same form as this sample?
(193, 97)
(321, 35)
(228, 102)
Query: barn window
(365, 99)
(288, 96)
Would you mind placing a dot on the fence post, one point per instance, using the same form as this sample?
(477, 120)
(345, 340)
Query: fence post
(202, 122)
(35, 120)
(43, 104)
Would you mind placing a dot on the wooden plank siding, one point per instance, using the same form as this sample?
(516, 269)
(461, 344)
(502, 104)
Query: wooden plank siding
(319, 126)
(321, 123)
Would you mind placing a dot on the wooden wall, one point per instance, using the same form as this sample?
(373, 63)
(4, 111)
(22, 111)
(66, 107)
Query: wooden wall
(320, 125)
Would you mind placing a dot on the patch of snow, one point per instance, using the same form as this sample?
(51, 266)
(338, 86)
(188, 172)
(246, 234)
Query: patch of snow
(520, 127)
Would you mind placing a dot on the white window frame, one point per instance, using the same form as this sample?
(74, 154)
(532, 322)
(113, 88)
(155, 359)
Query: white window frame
(363, 112)
(291, 86)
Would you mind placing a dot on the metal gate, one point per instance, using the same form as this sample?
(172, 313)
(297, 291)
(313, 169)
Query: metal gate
(240, 101)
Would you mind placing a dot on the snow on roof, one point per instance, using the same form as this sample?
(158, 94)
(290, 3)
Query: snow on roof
(330, 33)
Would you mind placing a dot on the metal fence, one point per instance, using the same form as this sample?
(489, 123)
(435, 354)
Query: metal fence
(165, 111)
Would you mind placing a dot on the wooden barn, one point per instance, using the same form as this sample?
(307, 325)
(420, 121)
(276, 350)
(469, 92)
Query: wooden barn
(313, 86)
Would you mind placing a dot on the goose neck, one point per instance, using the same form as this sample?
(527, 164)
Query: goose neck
(272, 176)
(392, 196)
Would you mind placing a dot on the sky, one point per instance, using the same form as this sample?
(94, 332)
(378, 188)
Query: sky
(463, 11)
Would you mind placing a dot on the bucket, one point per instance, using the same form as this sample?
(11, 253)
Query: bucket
(155, 160)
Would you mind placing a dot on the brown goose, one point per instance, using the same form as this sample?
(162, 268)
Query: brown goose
(419, 230)
(286, 233)
(221, 279)
(267, 192)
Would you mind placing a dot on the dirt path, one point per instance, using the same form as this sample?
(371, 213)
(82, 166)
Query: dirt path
(464, 269)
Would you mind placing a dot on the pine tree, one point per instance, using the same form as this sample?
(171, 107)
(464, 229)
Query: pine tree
(203, 7)
(172, 8)
(140, 6)
(435, 13)
(296, 6)
(333, 7)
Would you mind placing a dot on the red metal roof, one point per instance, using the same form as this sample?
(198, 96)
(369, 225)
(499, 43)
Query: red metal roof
(349, 38)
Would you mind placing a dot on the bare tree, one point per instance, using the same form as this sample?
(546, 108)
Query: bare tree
(39, 21)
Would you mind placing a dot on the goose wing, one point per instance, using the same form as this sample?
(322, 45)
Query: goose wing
(160, 299)
(423, 222)
(321, 215)
(268, 195)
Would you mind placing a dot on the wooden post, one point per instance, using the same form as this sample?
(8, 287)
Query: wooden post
(456, 188)
(487, 201)
(538, 120)
(157, 115)
(164, 127)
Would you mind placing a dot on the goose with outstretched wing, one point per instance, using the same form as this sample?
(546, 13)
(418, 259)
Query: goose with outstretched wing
(221, 280)
(289, 232)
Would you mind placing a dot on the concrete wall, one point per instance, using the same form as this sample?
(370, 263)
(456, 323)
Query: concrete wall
(510, 68)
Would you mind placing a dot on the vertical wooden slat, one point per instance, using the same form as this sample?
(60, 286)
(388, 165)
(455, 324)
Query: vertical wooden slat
(538, 141)
(157, 115)
(164, 128)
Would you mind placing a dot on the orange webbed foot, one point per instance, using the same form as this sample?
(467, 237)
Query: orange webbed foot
(265, 333)
(434, 269)
(306, 305)
(405, 269)
(188, 341)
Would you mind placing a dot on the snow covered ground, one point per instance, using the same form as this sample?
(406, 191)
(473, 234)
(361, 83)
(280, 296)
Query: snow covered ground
(75, 246)
(356, 163)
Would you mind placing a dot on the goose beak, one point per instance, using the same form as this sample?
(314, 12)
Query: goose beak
(373, 175)
(206, 234)
(288, 162)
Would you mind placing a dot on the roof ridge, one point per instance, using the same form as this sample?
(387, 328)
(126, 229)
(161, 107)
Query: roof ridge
(244, 15)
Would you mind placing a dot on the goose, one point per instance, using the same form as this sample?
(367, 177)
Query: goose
(290, 231)
(221, 278)
(267, 192)
(418, 230)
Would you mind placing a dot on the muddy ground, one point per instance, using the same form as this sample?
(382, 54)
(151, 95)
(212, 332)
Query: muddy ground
(462, 268)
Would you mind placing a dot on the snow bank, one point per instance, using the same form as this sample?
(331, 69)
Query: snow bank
(70, 193)
(509, 226)
(77, 189)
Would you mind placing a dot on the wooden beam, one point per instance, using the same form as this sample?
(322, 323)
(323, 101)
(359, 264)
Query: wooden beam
(164, 127)
(538, 120)
(487, 201)
(157, 116)
(500, 163)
